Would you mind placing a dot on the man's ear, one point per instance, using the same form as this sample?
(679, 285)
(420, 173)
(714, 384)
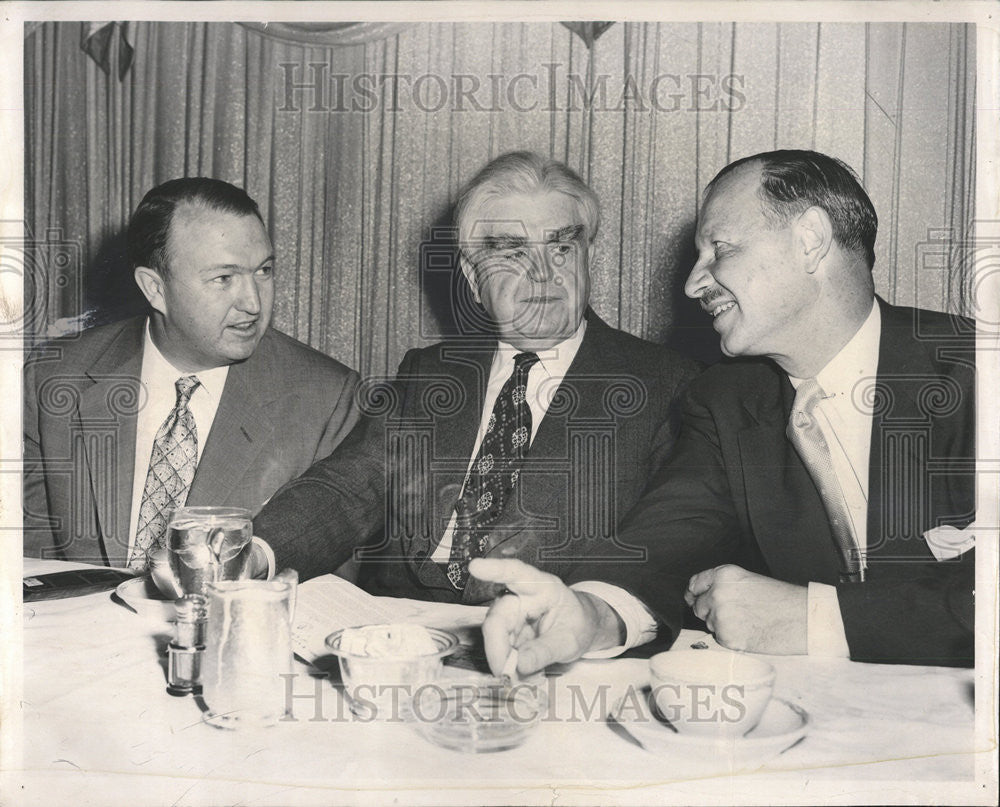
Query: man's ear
(150, 283)
(815, 234)
(470, 276)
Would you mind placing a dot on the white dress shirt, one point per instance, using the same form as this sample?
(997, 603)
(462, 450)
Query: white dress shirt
(159, 395)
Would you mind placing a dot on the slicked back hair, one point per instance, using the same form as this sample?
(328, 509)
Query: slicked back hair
(794, 180)
(149, 227)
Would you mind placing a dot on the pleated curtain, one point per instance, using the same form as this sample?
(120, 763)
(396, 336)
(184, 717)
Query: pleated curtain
(355, 172)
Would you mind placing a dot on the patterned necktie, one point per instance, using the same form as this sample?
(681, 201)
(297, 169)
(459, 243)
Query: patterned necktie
(494, 472)
(807, 437)
(171, 469)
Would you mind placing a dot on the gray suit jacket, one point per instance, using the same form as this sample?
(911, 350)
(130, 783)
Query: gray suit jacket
(283, 408)
(392, 485)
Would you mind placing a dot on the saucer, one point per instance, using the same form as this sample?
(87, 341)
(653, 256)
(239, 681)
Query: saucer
(781, 726)
(141, 595)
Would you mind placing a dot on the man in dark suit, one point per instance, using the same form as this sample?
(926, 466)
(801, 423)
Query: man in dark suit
(258, 407)
(831, 474)
(529, 444)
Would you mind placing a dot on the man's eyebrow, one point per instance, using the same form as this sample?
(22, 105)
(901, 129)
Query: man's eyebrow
(235, 267)
(504, 241)
(568, 233)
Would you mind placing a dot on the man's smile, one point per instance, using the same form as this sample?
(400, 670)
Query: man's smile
(718, 309)
(244, 328)
(716, 302)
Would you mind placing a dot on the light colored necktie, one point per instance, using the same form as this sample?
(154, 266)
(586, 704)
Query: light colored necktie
(494, 472)
(171, 469)
(807, 437)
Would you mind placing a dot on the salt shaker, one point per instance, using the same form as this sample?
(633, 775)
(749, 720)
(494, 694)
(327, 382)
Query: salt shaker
(184, 653)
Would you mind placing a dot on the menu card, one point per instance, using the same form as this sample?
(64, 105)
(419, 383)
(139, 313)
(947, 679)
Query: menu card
(328, 603)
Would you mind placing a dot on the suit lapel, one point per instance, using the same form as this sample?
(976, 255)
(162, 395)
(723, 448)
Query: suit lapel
(792, 529)
(549, 459)
(107, 421)
(898, 504)
(452, 441)
(240, 432)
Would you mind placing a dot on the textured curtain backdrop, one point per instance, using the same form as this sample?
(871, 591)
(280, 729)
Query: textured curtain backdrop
(355, 153)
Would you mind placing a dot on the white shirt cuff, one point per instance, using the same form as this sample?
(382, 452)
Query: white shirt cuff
(265, 547)
(825, 626)
(640, 625)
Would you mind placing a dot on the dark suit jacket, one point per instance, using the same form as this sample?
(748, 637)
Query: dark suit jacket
(735, 491)
(281, 409)
(393, 483)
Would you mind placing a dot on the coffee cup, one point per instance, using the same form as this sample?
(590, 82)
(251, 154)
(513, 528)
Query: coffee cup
(711, 692)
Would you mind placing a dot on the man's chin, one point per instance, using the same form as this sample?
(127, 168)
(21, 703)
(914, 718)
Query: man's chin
(540, 332)
(239, 352)
(538, 340)
(731, 347)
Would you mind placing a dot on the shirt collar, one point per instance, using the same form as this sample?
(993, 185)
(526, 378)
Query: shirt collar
(856, 360)
(555, 361)
(157, 367)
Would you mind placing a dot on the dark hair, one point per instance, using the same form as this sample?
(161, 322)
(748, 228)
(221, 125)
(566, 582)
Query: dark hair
(525, 172)
(149, 228)
(793, 180)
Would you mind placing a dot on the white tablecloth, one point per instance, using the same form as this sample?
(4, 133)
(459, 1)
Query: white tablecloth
(100, 729)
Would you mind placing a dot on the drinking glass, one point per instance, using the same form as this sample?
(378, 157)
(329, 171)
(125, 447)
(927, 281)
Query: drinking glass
(206, 544)
(248, 648)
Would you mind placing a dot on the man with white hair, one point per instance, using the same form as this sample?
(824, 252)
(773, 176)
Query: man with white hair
(529, 443)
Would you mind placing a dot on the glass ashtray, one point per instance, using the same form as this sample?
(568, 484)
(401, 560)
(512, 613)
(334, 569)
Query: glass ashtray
(478, 715)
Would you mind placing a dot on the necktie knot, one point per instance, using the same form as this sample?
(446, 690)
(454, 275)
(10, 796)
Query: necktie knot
(523, 362)
(807, 396)
(185, 386)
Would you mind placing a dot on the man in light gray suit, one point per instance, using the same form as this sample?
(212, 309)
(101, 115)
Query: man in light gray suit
(102, 408)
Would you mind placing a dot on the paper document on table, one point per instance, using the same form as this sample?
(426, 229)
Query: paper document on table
(328, 603)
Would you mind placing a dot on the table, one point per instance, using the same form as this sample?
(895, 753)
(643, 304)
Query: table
(99, 729)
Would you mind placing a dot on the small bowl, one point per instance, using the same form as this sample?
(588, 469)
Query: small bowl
(711, 691)
(380, 687)
(478, 715)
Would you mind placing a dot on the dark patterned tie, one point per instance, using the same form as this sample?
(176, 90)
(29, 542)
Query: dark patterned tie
(494, 472)
(171, 469)
(807, 437)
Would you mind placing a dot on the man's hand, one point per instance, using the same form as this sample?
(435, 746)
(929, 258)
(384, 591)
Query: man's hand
(163, 578)
(545, 620)
(748, 611)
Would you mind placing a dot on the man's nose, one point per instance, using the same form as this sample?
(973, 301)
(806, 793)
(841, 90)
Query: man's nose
(540, 265)
(249, 295)
(698, 281)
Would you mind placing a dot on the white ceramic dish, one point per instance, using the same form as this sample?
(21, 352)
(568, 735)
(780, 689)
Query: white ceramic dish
(141, 595)
(781, 726)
